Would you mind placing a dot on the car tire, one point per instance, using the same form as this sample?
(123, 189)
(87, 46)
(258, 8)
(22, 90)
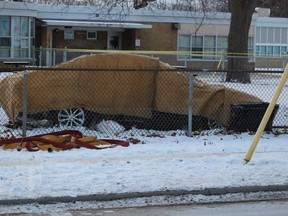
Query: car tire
(72, 117)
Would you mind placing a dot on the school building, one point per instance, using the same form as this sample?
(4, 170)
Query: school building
(44, 34)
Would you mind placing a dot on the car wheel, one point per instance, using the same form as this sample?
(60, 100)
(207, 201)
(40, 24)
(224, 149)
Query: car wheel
(74, 117)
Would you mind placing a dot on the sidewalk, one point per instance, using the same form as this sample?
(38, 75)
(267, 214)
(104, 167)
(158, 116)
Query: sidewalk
(264, 193)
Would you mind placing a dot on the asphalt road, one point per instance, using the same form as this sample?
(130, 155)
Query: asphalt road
(259, 208)
(267, 208)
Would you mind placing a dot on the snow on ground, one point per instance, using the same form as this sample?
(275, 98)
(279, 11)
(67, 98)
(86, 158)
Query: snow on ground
(171, 162)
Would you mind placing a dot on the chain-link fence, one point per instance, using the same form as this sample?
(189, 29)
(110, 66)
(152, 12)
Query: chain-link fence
(135, 101)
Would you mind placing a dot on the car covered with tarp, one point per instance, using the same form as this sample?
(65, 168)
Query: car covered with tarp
(118, 84)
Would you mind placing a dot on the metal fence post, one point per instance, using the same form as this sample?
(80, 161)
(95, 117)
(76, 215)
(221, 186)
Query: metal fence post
(223, 67)
(54, 57)
(24, 117)
(33, 55)
(40, 56)
(190, 104)
(65, 55)
(190, 107)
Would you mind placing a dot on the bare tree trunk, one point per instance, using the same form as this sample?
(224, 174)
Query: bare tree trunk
(241, 17)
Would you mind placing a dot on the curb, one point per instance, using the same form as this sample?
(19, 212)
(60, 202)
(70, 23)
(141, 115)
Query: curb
(133, 195)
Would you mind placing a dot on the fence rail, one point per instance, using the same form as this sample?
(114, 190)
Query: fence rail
(52, 56)
(42, 56)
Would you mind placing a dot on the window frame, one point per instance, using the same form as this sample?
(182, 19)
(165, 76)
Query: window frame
(91, 38)
(68, 34)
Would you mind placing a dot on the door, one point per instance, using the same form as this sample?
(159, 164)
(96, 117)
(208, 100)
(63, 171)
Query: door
(114, 40)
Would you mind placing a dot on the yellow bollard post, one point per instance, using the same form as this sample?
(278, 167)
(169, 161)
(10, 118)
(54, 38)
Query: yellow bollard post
(267, 115)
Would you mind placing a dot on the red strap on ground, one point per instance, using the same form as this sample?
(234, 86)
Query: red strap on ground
(32, 142)
(74, 133)
(123, 143)
(113, 143)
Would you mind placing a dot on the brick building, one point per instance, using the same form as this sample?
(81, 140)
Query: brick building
(48, 34)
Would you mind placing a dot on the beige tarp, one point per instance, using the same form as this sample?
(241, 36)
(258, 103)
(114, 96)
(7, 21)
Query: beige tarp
(211, 101)
(116, 92)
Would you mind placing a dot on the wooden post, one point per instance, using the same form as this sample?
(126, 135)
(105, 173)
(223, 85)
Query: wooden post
(267, 115)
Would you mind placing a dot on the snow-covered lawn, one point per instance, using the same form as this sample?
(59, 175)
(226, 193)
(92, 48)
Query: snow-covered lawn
(159, 162)
(170, 162)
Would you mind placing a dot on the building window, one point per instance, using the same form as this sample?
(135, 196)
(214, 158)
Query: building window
(209, 47)
(91, 35)
(5, 42)
(277, 35)
(206, 47)
(202, 47)
(251, 47)
(68, 34)
(263, 35)
(197, 47)
(271, 35)
(276, 50)
(5, 36)
(21, 37)
(190, 47)
(16, 36)
(5, 45)
(271, 50)
(222, 44)
(184, 46)
(24, 26)
(284, 50)
(5, 26)
(284, 38)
